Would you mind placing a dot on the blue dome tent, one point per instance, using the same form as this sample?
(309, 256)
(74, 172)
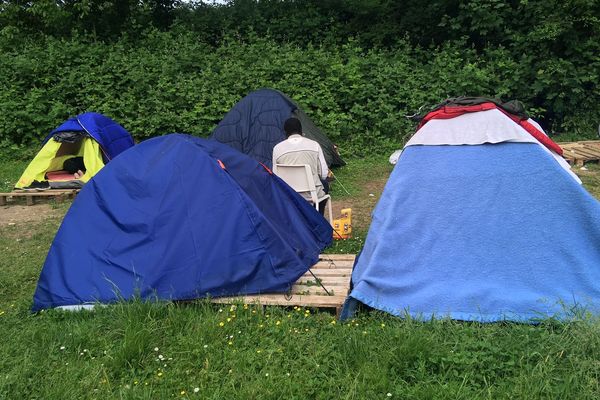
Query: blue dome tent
(255, 125)
(90, 137)
(177, 218)
(112, 137)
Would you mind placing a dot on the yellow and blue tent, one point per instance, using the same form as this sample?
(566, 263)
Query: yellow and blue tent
(95, 138)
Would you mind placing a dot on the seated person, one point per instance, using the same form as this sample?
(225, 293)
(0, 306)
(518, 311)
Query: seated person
(298, 150)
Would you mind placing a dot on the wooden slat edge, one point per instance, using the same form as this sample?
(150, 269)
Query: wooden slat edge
(280, 300)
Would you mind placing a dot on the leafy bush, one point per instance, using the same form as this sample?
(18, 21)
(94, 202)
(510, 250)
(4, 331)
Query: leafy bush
(165, 82)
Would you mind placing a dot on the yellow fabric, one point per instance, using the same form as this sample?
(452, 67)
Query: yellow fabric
(92, 159)
(47, 160)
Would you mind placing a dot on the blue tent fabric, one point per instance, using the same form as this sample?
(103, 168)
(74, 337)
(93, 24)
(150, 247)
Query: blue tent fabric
(481, 233)
(164, 220)
(255, 124)
(112, 137)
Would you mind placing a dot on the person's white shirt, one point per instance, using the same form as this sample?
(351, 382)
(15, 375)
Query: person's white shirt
(298, 150)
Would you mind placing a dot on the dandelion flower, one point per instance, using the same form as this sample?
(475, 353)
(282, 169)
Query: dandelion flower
(278, 323)
(196, 390)
(156, 349)
(389, 395)
(267, 374)
(332, 322)
(228, 319)
(182, 392)
(135, 382)
(62, 347)
(205, 346)
(221, 323)
(229, 343)
(383, 326)
(160, 374)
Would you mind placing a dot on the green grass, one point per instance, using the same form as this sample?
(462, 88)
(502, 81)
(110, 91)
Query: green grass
(10, 171)
(273, 353)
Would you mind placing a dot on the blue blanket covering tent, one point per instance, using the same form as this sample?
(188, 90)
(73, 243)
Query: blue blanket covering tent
(255, 125)
(179, 217)
(480, 232)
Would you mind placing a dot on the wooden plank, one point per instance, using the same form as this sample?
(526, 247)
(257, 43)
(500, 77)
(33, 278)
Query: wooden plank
(59, 195)
(45, 193)
(280, 300)
(579, 153)
(335, 257)
(318, 290)
(333, 264)
(328, 273)
(333, 274)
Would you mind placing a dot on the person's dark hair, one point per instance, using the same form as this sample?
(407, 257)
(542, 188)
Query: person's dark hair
(291, 126)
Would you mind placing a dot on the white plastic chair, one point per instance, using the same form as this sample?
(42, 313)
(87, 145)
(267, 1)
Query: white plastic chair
(300, 178)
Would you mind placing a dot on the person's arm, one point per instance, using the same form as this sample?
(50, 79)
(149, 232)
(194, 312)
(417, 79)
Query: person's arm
(324, 170)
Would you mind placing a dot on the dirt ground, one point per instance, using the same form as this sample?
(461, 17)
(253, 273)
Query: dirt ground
(19, 214)
(361, 205)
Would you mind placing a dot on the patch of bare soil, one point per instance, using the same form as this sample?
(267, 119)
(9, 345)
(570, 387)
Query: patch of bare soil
(18, 214)
(362, 205)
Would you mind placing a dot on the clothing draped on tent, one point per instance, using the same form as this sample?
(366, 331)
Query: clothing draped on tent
(178, 218)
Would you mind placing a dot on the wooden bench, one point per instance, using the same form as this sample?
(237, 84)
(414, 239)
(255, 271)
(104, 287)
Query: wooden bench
(332, 272)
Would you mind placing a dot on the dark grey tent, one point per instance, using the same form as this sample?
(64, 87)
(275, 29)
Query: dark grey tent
(255, 125)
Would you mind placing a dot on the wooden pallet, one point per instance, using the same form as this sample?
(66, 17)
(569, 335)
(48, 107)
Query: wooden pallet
(334, 272)
(30, 196)
(578, 153)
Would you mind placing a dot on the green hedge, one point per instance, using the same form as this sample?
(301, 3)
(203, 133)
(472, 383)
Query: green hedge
(165, 82)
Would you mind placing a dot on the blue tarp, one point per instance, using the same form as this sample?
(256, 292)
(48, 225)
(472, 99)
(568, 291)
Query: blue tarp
(112, 137)
(164, 220)
(483, 233)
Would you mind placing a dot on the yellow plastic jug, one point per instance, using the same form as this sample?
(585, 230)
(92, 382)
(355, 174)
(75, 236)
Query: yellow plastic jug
(342, 227)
